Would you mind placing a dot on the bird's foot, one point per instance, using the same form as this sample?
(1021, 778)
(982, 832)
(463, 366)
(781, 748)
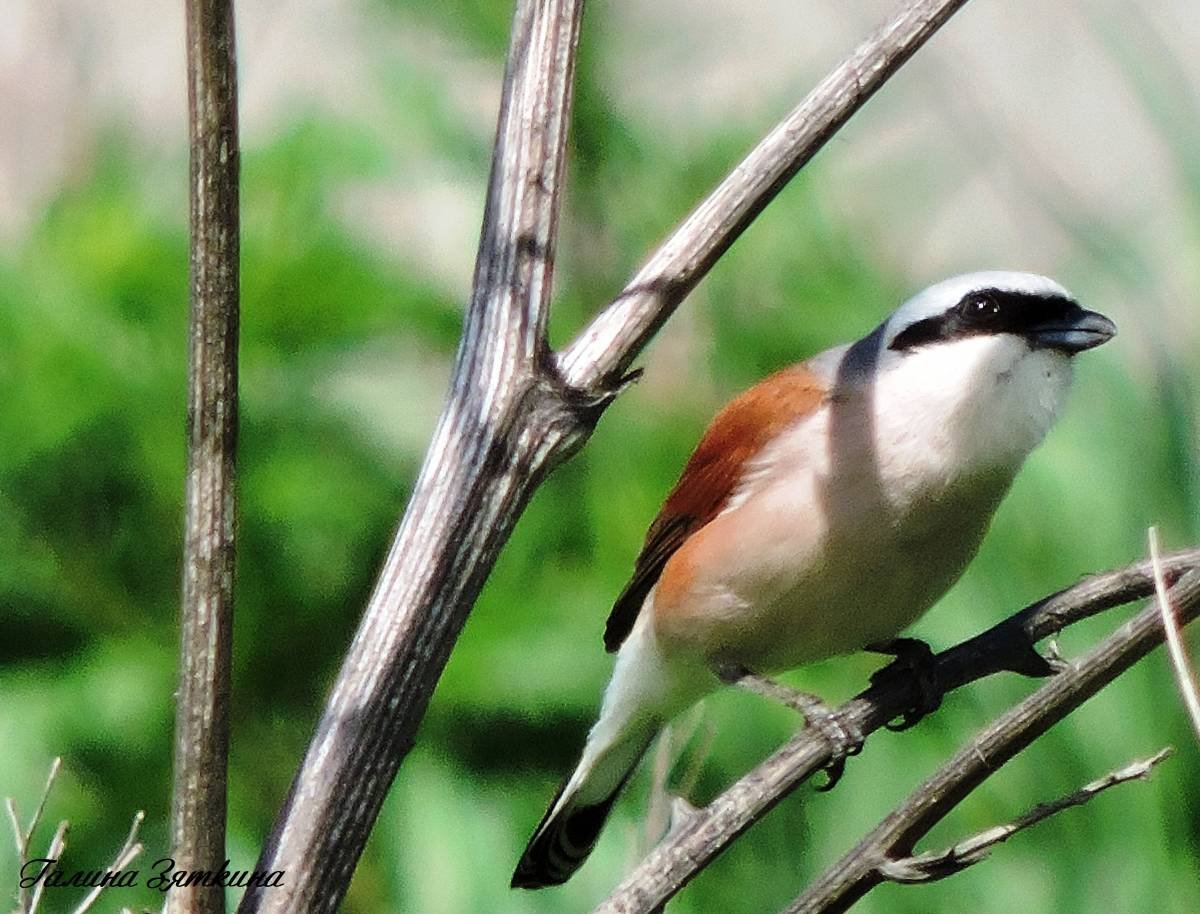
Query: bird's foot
(915, 663)
(845, 739)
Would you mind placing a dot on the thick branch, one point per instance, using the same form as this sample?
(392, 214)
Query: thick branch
(1008, 645)
(202, 721)
(512, 415)
(503, 424)
(609, 344)
(863, 868)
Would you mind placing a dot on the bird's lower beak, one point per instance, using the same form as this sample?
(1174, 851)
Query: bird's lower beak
(1074, 333)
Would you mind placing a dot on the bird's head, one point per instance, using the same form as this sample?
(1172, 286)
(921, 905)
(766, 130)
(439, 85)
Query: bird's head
(986, 355)
(1021, 312)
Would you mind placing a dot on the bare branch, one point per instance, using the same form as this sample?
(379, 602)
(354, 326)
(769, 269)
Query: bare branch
(1185, 674)
(58, 844)
(930, 867)
(1006, 646)
(198, 802)
(513, 414)
(606, 348)
(126, 855)
(859, 871)
(51, 777)
(14, 819)
(24, 837)
(507, 422)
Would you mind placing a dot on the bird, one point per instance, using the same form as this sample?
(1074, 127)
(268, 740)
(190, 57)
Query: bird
(823, 512)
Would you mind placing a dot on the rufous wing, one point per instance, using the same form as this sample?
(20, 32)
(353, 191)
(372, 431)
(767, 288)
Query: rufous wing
(710, 478)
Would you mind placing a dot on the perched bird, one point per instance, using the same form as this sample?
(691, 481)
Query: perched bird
(823, 511)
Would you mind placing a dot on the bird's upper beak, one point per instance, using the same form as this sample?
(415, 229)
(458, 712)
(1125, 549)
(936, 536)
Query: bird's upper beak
(1073, 332)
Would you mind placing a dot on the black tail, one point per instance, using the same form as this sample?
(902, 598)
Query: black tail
(562, 841)
(632, 714)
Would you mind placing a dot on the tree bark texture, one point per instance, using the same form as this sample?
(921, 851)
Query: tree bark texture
(202, 720)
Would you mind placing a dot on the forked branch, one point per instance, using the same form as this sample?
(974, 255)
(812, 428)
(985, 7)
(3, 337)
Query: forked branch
(505, 422)
(514, 412)
(867, 865)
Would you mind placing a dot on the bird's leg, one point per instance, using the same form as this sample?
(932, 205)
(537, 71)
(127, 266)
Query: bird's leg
(844, 738)
(915, 662)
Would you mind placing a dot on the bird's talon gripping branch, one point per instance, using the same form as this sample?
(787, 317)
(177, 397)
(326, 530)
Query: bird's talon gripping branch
(914, 661)
(844, 739)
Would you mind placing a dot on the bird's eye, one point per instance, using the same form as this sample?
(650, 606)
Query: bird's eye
(979, 308)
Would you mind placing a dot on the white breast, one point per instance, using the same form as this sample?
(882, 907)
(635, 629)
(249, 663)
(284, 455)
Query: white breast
(853, 523)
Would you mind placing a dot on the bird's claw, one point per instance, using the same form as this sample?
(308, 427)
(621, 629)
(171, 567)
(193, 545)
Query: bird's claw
(845, 739)
(914, 663)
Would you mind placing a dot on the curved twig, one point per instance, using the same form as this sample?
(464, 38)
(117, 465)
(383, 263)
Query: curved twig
(1181, 663)
(932, 866)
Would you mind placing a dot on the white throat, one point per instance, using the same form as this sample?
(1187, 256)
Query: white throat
(979, 404)
(921, 426)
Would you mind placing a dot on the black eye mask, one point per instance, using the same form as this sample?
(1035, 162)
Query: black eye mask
(988, 311)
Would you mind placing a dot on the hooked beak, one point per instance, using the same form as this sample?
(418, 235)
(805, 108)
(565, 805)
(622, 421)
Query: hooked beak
(1073, 332)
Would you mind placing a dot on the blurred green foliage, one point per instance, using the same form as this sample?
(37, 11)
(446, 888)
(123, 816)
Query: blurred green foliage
(344, 356)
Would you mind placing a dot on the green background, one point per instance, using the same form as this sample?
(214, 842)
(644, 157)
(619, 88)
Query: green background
(345, 353)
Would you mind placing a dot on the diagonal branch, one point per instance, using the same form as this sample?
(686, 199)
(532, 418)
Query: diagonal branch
(606, 348)
(502, 425)
(1006, 646)
(513, 414)
(864, 867)
(198, 801)
(930, 867)
(130, 851)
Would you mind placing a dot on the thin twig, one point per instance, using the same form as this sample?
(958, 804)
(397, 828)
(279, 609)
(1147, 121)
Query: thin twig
(935, 865)
(14, 818)
(198, 796)
(859, 871)
(1006, 646)
(58, 844)
(24, 837)
(1185, 674)
(126, 855)
(51, 777)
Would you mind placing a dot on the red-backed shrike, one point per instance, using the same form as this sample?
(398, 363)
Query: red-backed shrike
(823, 511)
